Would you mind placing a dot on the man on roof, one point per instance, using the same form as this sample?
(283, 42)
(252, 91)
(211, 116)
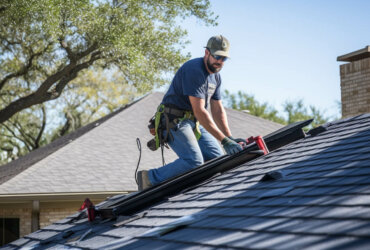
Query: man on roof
(182, 119)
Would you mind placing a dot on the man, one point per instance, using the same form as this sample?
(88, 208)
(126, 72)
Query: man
(195, 85)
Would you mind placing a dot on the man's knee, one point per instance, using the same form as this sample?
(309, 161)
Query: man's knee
(195, 160)
(216, 152)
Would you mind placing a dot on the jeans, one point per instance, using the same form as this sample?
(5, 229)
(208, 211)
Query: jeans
(191, 153)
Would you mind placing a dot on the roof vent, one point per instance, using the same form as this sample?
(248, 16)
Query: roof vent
(273, 176)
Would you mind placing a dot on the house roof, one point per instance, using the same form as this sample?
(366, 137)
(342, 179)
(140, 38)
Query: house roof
(318, 199)
(102, 156)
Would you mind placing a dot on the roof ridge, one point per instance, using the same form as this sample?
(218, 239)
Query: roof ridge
(252, 116)
(347, 119)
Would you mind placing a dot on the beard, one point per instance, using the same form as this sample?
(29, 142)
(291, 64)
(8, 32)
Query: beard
(212, 67)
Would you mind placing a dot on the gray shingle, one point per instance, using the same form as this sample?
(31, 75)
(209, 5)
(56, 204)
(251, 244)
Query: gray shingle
(322, 202)
(126, 231)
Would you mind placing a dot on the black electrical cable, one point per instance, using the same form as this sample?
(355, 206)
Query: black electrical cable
(162, 150)
(138, 163)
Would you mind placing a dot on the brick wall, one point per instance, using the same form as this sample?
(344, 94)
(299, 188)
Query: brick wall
(48, 216)
(24, 215)
(50, 212)
(355, 87)
(51, 215)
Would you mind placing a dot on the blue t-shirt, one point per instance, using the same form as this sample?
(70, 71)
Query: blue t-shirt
(193, 79)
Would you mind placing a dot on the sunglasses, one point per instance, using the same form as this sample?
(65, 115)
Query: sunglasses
(223, 58)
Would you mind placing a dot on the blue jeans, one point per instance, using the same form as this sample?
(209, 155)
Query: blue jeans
(191, 153)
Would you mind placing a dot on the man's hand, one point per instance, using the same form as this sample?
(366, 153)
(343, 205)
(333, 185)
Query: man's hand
(230, 146)
(240, 141)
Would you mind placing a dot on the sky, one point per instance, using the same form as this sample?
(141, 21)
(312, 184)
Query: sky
(285, 50)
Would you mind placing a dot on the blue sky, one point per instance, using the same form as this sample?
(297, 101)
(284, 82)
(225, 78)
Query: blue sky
(286, 50)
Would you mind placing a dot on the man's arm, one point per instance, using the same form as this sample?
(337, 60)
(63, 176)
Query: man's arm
(219, 116)
(204, 118)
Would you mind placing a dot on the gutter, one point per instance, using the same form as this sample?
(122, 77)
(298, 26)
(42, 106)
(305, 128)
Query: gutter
(17, 198)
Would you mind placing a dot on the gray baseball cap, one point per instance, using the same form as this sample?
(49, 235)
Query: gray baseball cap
(219, 46)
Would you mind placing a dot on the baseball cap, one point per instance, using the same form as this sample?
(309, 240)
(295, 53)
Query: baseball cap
(219, 46)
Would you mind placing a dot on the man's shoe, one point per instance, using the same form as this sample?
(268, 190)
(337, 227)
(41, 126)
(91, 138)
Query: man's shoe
(143, 180)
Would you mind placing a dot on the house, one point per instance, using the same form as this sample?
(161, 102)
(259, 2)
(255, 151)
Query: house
(96, 161)
(310, 191)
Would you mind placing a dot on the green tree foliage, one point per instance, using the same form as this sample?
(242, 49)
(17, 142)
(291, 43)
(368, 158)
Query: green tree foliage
(95, 93)
(45, 44)
(22, 133)
(296, 111)
(293, 110)
(245, 102)
(90, 97)
(64, 63)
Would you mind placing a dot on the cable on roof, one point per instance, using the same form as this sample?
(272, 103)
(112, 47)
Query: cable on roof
(162, 150)
(138, 163)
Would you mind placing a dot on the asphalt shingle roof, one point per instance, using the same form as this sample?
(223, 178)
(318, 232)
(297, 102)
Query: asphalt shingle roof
(322, 201)
(102, 156)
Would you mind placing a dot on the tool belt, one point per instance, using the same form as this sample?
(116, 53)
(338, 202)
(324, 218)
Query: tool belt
(165, 119)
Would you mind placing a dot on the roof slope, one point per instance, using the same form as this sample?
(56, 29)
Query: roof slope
(102, 156)
(322, 201)
(15, 167)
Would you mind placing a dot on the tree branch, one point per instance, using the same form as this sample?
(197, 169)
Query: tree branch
(25, 68)
(65, 80)
(89, 50)
(65, 127)
(38, 138)
(2, 9)
(72, 57)
(45, 86)
(42, 94)
(8, 43)
(24, 140)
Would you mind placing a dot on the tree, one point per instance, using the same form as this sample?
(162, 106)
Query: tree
(90, 97)
(45, 44)
(245, 102)
(22, 133)
(294, 110)
(75, 61)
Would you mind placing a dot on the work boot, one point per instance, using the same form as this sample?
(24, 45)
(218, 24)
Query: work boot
(143, 180)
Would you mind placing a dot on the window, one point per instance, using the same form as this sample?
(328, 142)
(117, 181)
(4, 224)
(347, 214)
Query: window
(9, 230)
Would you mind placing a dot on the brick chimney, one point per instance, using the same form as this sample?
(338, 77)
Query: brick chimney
(355, 82)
